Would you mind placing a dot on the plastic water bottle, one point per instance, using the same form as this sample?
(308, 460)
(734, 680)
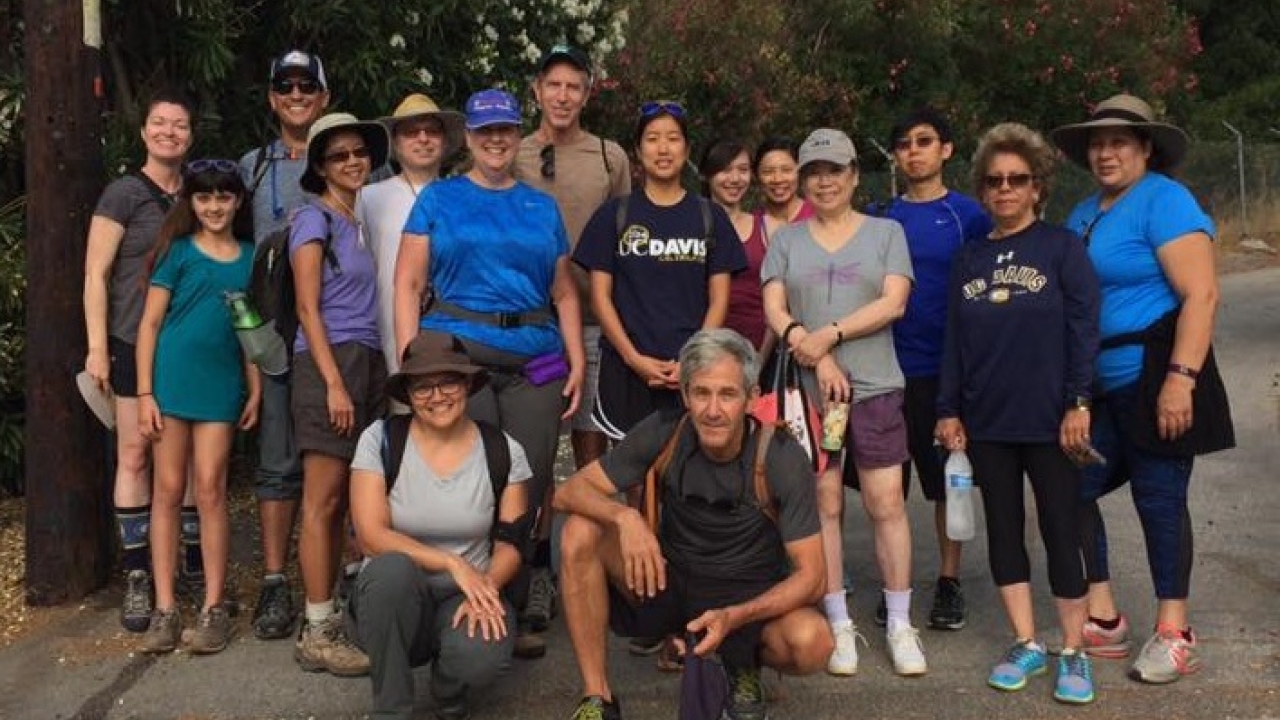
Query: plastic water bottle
(260, 341)
(959, 474)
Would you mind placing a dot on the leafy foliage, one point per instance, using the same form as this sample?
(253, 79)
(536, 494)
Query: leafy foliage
(12, 341)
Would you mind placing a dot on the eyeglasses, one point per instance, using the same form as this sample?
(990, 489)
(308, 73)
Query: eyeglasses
(286, 86)
(922, 142)
(342, 156)
(195, 167)
(674, 109)
(446, 388)
(1016, 181)
(548, 155)
(414, 131)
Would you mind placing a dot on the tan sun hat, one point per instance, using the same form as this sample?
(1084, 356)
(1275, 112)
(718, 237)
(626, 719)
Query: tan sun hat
(1168, 142)
(417, 105)
(373, 133)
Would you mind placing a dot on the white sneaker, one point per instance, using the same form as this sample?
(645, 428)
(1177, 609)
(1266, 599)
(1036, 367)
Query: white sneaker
(844, 659)
(906, 651)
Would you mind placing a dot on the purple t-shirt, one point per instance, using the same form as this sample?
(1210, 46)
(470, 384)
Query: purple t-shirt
(348, 295)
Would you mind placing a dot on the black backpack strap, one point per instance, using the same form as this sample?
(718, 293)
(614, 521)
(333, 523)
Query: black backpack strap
(261, 163)
(604, 155)
(163, 199)
(620, 218)
(708, 224)
(395, 438)
(497, 457)
(326, 244)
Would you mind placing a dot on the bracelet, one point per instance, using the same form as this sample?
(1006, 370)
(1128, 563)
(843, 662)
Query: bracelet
(142, 395)
(794, 324)
(1184, 370)
(839, 333)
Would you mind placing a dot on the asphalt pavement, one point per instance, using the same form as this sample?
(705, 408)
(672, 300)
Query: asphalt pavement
(80, 664)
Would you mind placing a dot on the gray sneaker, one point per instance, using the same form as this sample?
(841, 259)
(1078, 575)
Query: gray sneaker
(136, 607)
(325, 646)
(273, 616)
(163, 633)
(1167, 656)
(541, 606)
(213, 631)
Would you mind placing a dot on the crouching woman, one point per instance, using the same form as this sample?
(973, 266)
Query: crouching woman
(441, 536)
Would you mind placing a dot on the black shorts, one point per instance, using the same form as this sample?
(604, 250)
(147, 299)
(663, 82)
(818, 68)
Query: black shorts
(920, 409)
(364, 373)
(124, 367)
(623, 399)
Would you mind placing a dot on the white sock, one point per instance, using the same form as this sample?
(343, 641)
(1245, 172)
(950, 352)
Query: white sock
(321, 611)
(836, 607)
(898, 603)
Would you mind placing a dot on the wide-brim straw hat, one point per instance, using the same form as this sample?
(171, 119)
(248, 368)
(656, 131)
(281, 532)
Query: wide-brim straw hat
(433, 352)
(373, 133)
(1168, 142)
(418, 105)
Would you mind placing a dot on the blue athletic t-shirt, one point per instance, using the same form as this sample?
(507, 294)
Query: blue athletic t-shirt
(935, 231)
(492, 251)
(1122, 245)
(660, 265)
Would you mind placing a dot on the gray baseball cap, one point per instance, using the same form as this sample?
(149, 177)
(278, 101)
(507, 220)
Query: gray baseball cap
(830, 145)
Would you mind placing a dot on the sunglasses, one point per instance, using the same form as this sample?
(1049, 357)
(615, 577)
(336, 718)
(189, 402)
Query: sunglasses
(345, 155)
(195, 167)
(674, 109)
(286, 87)
(548, 155)
(922, 142)
(1016, 181)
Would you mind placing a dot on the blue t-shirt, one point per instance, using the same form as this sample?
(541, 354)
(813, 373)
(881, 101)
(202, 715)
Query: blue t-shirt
(492, 251)
(349, 294)
(198, 373)
(661, 266)
(935, 231)
(1123, 242)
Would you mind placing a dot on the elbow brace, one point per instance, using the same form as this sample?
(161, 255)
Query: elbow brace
(517, 533)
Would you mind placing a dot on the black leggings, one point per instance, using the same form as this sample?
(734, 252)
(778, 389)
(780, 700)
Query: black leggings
(998, 468)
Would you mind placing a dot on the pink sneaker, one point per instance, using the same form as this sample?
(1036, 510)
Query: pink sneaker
(1100, 642)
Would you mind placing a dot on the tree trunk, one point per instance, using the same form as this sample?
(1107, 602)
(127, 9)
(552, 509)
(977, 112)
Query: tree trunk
(68, 541)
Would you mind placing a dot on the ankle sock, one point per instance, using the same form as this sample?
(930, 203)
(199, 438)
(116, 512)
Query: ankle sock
(321, 611)
(134, 524)
(192, 560)
(836, 607)
(1111, 624)
(898, 603)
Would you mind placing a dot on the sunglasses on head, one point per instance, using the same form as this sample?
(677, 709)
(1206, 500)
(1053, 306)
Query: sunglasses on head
(674, 109)
(1017, 181)
(922, 142)
(548, 155)
(195, 167)
(345, 155)
(286, 86)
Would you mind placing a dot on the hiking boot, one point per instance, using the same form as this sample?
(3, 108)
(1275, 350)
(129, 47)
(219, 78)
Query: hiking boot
(529, 645)
(746, 695)
(541, 605)
(594, 707)
(948, 611)
(1020, 662)
(882, 613)
(645, 645)
(906, 651)
(163, 632)
(1167, 656)
(1103, 643)
(1075, 678)
(136, 606)
(324, 645)
(844, 658)
(273, 616)
(452, 708)
(213, 631)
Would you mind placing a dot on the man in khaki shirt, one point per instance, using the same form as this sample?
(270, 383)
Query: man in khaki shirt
(581, 171)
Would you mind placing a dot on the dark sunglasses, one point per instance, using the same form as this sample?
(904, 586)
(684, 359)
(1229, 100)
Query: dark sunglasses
(345, 155)
(1017, 181)
(285, 87)
(922, 142)
(195, 167)
(674, 109)
(405, 130)
(548, 155)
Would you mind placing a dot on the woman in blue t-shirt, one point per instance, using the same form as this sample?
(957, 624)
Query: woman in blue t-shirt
(1152, 247)
(660, 261)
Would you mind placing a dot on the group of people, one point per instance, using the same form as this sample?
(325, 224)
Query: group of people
(448, 327)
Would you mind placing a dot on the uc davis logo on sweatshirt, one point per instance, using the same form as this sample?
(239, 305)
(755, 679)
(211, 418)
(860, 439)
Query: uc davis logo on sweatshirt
(1005, 282)
(635, 241)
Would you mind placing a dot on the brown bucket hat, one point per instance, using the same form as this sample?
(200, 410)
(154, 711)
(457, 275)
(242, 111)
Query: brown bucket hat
(433, 352)
(1168, 142)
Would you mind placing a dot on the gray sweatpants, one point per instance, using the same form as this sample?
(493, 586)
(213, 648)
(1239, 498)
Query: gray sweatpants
(403, 622)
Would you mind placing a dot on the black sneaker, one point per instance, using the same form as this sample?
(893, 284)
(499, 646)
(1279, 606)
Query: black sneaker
(746, 695)
(273, 617)
(136, 607)
(540, 608)
(948, 612)
(593, 707)
(882, 613)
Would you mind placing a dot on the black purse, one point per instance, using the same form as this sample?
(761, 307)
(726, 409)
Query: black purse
(1211, 426)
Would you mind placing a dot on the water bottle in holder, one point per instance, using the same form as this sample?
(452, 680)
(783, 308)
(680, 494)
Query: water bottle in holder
(260, 341)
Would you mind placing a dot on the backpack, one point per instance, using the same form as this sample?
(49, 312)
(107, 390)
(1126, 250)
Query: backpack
(704, 205)
(271, 282)
(653, 476)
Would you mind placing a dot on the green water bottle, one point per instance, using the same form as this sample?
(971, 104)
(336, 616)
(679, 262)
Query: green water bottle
(243, 314)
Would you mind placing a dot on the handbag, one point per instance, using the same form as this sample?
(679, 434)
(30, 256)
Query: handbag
(786, 402)
(1211, 426)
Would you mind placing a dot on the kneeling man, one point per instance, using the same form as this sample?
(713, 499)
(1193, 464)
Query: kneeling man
(741, 568)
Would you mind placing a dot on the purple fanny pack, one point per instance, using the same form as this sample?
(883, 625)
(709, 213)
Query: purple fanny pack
(546, 368)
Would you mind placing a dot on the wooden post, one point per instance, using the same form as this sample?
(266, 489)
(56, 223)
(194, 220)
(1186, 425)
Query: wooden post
(68, 537)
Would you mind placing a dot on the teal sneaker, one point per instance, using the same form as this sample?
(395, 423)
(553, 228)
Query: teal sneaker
(1075, 678)
(1021, 661)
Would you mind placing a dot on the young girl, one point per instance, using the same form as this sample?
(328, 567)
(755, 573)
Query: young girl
(195, 388)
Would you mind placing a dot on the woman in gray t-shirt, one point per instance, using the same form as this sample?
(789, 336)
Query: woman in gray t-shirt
(833, 285)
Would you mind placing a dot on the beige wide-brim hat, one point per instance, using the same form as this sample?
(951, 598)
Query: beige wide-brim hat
(418, 105)
(433, 352)
(375, 138)
(1168, 142)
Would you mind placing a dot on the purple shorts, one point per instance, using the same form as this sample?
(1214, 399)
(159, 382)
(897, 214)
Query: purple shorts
(877, 434)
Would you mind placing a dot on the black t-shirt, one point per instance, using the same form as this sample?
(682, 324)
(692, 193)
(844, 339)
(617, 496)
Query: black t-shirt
(719, 531)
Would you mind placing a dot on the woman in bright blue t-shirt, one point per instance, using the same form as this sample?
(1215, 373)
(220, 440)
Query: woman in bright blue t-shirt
(1151, 245)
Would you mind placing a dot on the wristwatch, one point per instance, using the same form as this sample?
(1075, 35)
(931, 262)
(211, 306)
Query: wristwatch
(1081, 402)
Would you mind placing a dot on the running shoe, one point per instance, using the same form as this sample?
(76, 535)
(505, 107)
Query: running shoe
(1167, 656)
(1023, 660)
(1075, 678)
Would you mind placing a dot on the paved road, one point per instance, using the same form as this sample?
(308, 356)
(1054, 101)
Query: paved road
(79, 666)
